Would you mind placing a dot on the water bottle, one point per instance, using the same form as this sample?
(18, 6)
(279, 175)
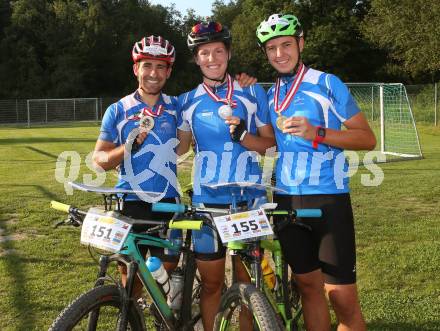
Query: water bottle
(155, 266)
(176, 293)
(268, 274)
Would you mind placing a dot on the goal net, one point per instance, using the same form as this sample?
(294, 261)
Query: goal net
(61, 110)
(387, 108)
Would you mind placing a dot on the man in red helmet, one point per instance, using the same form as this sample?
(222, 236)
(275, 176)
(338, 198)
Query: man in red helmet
(138, 135)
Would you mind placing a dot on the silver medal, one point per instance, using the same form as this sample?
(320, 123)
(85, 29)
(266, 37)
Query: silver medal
(225, 111)
(146, 123)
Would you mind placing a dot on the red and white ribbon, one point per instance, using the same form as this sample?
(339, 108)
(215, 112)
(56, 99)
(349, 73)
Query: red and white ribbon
(228, 100)
(151, 112)
(292, 91)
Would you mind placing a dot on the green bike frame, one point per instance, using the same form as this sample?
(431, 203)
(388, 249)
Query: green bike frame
(131, 249)
(276, 297)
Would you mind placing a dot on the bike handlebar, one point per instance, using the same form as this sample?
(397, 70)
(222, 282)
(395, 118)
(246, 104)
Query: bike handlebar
(173, 224)
(308, 212)
(185, 225)
(60, 206)
(304, 213)
(166, 207)
(181, 208)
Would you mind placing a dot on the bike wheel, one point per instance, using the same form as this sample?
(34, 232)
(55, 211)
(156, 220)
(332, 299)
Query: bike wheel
(97, 309)
(190, 311)
(241, 295)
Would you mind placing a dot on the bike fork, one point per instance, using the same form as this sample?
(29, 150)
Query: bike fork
(126, 295)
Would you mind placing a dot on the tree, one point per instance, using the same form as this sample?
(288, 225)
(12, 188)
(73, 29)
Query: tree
(333, 40)
(409, 29)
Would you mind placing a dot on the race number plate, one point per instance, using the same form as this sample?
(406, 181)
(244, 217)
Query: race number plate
(103, 231)
(240, 226)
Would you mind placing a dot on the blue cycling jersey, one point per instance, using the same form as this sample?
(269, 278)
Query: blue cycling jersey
(325, 101)
(152, 168)
(218, 159)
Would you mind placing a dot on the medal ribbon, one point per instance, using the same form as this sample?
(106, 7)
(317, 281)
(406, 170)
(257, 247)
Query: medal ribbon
(228, 100)
(291, 93)
(151, 112)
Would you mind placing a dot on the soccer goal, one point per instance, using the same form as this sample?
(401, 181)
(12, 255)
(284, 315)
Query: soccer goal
(61, 110)
(388, 110)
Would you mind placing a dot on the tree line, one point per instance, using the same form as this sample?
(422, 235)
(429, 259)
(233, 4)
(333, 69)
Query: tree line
(80, 48)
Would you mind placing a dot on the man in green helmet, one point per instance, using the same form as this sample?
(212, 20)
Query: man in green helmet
(307, 108)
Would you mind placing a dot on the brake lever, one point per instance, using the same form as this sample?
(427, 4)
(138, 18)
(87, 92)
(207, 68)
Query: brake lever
(71, 220)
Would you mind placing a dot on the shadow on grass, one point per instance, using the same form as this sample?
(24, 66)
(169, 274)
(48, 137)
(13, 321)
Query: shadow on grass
(40, 188)
(402, 326)
(19, 295)
(33, 149)
(59, 261)
(32, 140)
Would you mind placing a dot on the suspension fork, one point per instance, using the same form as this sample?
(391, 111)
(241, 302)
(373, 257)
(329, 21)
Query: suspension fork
(126, 294)
(103, 266)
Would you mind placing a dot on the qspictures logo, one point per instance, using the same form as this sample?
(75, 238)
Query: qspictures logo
(293, 169)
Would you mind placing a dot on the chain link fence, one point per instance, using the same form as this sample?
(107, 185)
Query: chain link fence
(43, 111)
(424, 101)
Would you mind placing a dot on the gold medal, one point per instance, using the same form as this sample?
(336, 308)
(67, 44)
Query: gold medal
(280, 122)
(147, 123)
(225, 111)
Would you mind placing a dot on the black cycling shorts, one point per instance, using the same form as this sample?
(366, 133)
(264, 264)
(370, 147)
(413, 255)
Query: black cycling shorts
(142, 210)
(328, 245)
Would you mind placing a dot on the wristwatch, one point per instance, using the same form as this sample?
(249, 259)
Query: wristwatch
(320, 135)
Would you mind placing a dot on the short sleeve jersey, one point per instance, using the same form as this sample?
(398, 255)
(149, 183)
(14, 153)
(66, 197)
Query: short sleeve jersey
(325, 101)
(218, 159)
(152, 168)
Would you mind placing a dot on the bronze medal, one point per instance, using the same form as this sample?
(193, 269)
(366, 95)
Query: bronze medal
(280, 122)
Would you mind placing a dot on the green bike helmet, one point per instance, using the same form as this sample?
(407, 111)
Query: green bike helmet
(278, 25)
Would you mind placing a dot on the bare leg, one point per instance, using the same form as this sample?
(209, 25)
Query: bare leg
(213, 275)
(315, 307)
(345, 302)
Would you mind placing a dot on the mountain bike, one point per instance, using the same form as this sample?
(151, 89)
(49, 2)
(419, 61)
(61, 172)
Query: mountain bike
(109, 305)
(272, 308)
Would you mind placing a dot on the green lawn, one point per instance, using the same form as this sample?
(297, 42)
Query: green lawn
(42, 269)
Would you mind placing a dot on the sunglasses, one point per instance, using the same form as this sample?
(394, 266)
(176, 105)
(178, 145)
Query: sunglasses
(202, 28)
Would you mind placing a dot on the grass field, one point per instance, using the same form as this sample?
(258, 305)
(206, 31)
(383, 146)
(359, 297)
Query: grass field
(42, 269)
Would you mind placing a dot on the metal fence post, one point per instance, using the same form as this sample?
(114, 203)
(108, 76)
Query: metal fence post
(435, 104)
(28, 115)
(382, 120)
(16, 108)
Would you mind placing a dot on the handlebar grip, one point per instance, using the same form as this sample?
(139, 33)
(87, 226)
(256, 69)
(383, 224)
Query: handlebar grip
(168, 207)
(186, 225)
(308, 213)
(59, 206)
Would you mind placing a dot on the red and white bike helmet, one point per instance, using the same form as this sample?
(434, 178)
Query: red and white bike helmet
(155, 48)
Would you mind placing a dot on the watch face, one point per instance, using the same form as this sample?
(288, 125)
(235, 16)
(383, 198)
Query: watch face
(321, 132)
